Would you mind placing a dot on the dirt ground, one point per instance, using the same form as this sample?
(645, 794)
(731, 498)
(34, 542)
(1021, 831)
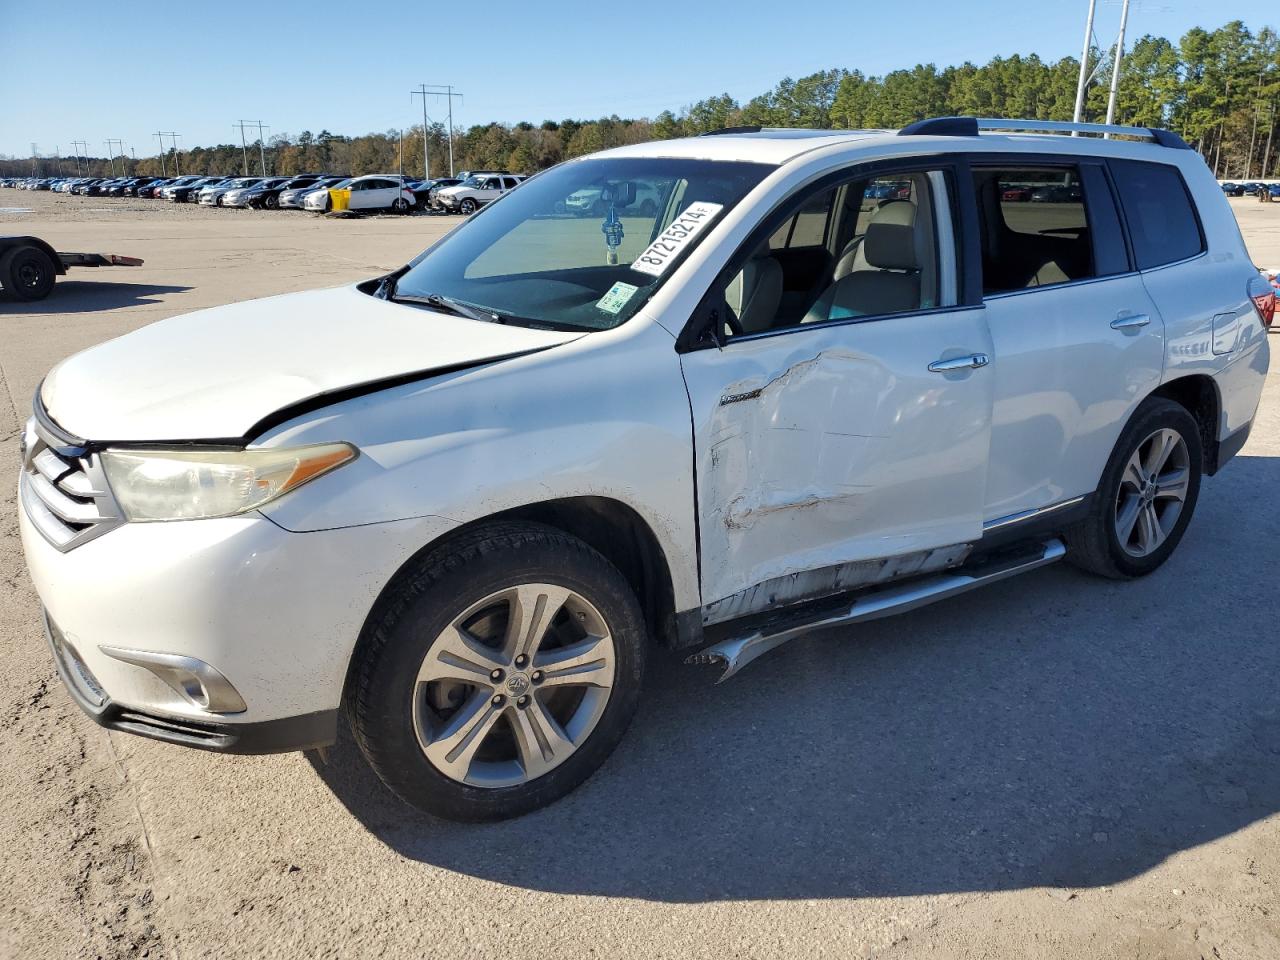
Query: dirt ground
(1052, 767)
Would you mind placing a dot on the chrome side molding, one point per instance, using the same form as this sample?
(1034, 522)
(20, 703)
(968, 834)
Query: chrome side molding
(737, 652)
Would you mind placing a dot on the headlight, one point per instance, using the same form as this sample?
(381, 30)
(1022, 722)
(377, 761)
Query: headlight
(200, 484)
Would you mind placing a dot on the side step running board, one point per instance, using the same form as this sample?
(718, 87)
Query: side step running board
(737, 652)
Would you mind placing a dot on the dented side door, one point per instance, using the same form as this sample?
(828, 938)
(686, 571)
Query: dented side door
(825, 446)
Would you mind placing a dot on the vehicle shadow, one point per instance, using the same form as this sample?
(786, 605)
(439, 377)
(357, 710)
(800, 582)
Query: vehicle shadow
(90, 296)
(1055, 730)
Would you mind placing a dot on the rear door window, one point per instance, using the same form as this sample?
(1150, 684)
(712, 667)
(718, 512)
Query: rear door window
(1037, 229)
(1162, 223)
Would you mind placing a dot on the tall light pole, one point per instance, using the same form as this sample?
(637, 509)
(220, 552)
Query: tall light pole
(1084, 64)
(1115, 67)
(426, 163)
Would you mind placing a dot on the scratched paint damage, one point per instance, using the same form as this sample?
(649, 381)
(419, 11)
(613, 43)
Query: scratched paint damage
(806, 457)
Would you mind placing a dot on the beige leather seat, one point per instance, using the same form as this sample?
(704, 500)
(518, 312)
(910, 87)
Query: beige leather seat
(889, 284)
(902, 212)
(755, 293)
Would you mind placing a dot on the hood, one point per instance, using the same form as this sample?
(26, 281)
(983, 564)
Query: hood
(216, 373)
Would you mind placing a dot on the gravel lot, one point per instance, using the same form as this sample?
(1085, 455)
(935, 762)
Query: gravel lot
(1053, 767)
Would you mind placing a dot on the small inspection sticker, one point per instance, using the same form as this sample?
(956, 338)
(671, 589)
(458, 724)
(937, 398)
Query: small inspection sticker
(662, 252)
(617, 297)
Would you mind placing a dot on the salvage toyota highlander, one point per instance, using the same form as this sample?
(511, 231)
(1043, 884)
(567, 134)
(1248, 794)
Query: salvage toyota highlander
(821, 377)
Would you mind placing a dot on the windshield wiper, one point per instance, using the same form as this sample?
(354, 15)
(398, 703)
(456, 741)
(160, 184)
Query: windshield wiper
(441, 302)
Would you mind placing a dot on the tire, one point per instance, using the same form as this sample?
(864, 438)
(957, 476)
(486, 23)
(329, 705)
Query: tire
(468, 206)
(648, 208)
(397, 716)
(400, 205)
(271, 202)
(27, 273)
(1160, 510)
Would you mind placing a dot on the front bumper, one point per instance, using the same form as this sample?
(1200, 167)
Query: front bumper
(284, 735)
(274, 613)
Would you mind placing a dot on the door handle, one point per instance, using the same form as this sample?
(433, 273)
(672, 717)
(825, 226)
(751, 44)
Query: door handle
(971, 362)
(1130, 321)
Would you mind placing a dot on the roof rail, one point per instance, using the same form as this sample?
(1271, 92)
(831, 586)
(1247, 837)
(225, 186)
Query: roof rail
(750, 128)
(971, 126)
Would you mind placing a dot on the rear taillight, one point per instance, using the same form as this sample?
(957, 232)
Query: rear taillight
(1263, 295)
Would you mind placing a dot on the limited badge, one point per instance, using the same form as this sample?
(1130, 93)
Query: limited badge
(618, 296)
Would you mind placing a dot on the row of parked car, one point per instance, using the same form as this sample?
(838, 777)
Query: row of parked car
(1250, 188)
(464, 193)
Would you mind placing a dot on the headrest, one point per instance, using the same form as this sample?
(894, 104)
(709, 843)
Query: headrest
(895, 211)
(890, 246)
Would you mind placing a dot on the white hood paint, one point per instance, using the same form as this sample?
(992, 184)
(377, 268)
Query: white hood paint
(215, 373)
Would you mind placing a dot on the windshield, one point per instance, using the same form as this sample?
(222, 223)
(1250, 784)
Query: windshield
(537, 256)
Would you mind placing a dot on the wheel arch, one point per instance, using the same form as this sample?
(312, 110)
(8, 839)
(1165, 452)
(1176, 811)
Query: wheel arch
(1199, 395)
(614, 529)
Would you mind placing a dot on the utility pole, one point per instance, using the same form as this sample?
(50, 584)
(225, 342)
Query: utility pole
(159, 136)
(169, 133)
(1084, 64)
(244, 149)
(82, 149)
(426, 163)
(1115, 67)
(35, 152)
(112, 157)
(57, 159)
(435, 91)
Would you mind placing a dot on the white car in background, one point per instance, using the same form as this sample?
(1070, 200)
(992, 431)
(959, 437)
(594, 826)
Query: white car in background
(377, 191)
(834, 377)
(477, 190)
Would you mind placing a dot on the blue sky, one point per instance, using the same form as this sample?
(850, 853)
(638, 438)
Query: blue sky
(127, 69)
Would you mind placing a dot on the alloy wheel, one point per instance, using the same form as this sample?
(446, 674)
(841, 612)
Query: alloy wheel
(514, 685)
(1153, 489)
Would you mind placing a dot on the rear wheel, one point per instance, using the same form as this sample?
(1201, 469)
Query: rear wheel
(498, 673)
(27, 273)
(400, 205)
(1147, 495)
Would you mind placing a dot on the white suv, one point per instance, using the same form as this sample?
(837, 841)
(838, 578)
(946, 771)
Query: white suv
(475, 191)
(830, 377)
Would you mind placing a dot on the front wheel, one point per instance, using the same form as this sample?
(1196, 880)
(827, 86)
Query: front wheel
(468, 206)
(1147, 495)
(400, 205)
(497, 673)
(271, 202)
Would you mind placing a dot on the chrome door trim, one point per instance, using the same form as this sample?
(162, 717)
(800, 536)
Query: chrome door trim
(999, 522)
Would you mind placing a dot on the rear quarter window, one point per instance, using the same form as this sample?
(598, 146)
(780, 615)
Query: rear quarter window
(1157, 206)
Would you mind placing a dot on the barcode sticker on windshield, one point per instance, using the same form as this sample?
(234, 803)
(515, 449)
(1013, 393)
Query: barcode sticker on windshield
(662, 252)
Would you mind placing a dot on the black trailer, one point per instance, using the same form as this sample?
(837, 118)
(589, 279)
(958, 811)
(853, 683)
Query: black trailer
(29, 266)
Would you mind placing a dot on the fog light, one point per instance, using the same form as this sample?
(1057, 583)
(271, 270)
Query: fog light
(194, 680)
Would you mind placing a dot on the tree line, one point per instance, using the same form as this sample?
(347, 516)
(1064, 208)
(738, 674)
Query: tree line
(1217, 88)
